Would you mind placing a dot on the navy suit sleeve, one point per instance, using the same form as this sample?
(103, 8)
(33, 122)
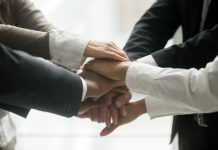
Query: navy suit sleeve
(153, 30)
(28, 82)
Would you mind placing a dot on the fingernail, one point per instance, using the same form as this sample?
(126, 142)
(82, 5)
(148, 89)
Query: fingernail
(103, 133)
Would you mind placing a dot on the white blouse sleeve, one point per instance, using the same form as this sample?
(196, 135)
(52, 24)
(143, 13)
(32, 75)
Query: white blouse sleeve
(188, 91)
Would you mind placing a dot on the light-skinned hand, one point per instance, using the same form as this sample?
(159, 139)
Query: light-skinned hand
(98, 85)
(114, 70)
(118, 97)
(108, 50)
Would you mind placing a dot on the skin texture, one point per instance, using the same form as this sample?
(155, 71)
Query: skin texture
(98, 85)
(134, 110)
(106, 50)
(114, 70)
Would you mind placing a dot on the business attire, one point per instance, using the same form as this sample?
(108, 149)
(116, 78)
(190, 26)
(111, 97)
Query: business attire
(23, 14)
(181, 91)
(20, 13)
(149, 37)
(31, 82)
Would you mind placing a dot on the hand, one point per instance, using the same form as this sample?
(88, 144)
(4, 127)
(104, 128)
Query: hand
(134, 110)
(107, 50)
(111, 69)
(89, 104)
(118, 97)
(98, 85)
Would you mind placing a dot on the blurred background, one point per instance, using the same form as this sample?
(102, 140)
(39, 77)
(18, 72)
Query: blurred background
(111, 20)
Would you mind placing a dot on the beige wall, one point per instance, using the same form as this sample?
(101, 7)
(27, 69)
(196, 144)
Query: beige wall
(134, 9)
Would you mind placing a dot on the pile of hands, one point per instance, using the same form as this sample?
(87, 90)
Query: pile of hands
(107, 98)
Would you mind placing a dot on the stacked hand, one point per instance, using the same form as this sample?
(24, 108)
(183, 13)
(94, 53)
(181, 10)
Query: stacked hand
(105, 50)
(107, 98)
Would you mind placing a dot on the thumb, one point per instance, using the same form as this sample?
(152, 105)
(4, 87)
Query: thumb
(108, 130)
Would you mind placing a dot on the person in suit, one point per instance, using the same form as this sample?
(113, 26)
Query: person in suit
(171, 91)
(200, 46)
(31, 82)
(23, 14)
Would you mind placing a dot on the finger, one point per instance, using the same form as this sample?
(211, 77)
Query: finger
(108, 118)
(114, 55)
(123, 111)
(117, 51)
(108, 130)
(101, 114)
(90, 104)
(83, 116)
(123, 99)
(114, 114)
(112, 44)
(115, 47)
(93, 115)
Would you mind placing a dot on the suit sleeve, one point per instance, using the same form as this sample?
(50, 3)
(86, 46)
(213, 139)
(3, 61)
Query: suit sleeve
(28, 82)
(153, 30)
(26, 15)
(195, 52)
(33, 42)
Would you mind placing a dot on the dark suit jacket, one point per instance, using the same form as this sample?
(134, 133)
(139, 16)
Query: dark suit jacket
(150, 35)
(29, 82)
(47, 88)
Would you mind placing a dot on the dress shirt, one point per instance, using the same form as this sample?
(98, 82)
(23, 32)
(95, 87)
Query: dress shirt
(175, 91)
(67, 50)
(7, 130)
(156, 107)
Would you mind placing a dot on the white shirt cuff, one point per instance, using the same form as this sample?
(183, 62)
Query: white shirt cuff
(141, 80)
(84, 89)
(147, 60)
(67, 49)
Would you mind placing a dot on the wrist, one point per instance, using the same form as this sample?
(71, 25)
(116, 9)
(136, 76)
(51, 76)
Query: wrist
(142, 107)
(124, 69)
(89, 89)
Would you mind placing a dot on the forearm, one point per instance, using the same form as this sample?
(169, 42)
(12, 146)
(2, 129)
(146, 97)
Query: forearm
(28, 82)
(26, 15)
(186, 88)
(33, 42)
(195, 52)
(153, 30)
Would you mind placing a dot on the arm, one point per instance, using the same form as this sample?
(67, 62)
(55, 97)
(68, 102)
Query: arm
(157, 26)
(26, 15)
(153, 30)
(29, 82)
(64, 48)
(185, 90)
(33, 42)
(195, 52)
